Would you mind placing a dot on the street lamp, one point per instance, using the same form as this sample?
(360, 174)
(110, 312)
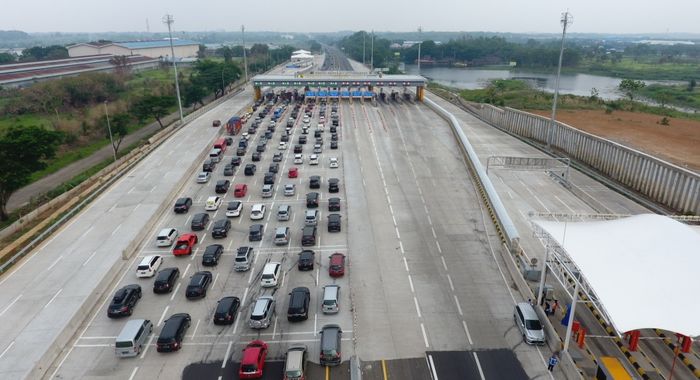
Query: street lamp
(245, 60)
(109, 129)
(566, 19)
(168, 19)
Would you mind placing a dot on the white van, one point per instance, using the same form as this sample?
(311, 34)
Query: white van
(166, 237)
(149, 266)
(331, 295)
(270, 274)
(215, 155)
(132, 338)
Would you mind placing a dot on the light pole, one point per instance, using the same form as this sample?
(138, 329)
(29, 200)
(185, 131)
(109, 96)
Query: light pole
(168, 19)
(109, 129)
(371, 60)
(566, 19)
(420, 42)
(364, 34)
(245, 60)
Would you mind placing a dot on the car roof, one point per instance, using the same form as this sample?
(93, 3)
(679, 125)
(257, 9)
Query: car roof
(213, 248)
(258, 206)
(261, 304)
(212, 198)
(226, 302)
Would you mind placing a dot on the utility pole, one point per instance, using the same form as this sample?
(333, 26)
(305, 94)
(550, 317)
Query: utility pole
(566, 20)
(364, 34)
(109, 129)
(168, 19)
(371, 60)
(245, 60)
(420, 42)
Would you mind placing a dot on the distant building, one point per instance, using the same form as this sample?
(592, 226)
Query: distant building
(152, 49)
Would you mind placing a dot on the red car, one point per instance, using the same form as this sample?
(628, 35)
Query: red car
(253, 360)
(336, 267)
(293, 172)
(184, 244)
(240, 190)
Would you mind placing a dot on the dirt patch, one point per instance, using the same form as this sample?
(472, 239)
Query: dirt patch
(678, 142)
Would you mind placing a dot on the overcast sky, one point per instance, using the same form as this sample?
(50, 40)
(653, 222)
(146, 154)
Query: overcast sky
(520, 16)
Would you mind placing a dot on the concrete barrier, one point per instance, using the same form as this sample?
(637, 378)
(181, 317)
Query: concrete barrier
(660, 181)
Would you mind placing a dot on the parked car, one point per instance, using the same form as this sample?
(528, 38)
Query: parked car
(226, 310)
(299, 300)
(165, 280)
(249, 169)
(333, 185)
(212, 254)
(222, 186)
(330, 354)
(257, 212)
(289, 189)
(199, 282)
(240, 190)
(336, 265)
(200, 221)
(124, 301)
(234, 209)
(274, 167)
(149, 266)
(220, 228)
(253, 360)
(308, 236)
(255, 233)
(306, 260)
(229, 170)
(257, 156)
(173, 332)
(203, 177)
(277, 157)
(293, 172)
(334, 223)
(298, 148)
(315, 182)
(182, 205)
(269, 179)
(312, 199)
(184, 244)
(334, 204)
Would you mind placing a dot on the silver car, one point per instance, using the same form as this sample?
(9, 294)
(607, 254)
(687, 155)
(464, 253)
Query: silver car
(290, 189)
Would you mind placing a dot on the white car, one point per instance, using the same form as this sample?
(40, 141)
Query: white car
(313, 159)
(258, 211)
(289, 189)
(320, 127)
(212, 203)
(282, 145)
(305, 130)
(203, 177)
(244, 136)
(149, 266)
(333, 162)
(317, 148)
(306, 119)
(298, 159)
(234, 209)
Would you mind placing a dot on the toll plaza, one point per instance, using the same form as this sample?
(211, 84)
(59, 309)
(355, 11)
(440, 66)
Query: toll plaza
(342, 85)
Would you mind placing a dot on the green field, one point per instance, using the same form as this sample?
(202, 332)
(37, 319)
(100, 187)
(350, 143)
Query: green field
(630, 69)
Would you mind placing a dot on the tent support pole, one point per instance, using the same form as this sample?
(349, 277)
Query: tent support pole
(571, 317)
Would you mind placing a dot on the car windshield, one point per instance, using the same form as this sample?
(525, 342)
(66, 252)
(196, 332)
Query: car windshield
(533, 324)
(293, 373)
(249, 367)
(181, 246)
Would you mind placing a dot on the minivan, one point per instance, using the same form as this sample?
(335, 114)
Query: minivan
(311, 217)
(331, 295)
(283, 212)
(331, 335)
(173, 332)
(270, 274)
(299, 300)
(282, 236)
(262, 312)
(244, 257)
(166, 237)
(529, 323)
(133, 336)
(295, 363)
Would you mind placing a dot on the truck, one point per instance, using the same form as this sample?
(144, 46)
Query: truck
(233, 126)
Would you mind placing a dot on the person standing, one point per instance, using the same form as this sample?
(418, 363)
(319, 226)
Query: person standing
(553, 360)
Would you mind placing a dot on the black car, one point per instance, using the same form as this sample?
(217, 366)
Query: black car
(334, 137)
(285, 137)
(306, 260)
(249, 169)
(235, 161)
(256, 156)
(317, 133)
(229, 140)
(222, 186)
(298, 148)
(173, 332)
(165, 280)
(269, 179)
(277, 157)
(200, 221)
(226, 310)
(212, 254)
(334, 223)
(240, 152)
(302, 139)
(268, 134)
(208, 165)
(182, 205)
(334, 145)
(308, 236)
(333, 204)
(220, 228)
(199, 282)
(299, 300)
(274, 167)
(333, 185)
(229, 170)
(124, 301)
(312, 200)
(333, 129)
(315, 182)
(243, 144)
(251, 129)
(255, 233)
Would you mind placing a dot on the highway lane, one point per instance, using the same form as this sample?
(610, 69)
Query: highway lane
(49, 287)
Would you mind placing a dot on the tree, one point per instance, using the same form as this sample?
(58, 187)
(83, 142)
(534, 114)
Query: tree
(630, 86)
(154, 106)
(121, 64)
(6, 58)
(314, 46)
(202, 51)
(691, 85)
(23, 151)
(259, 49)
(39, 53)
(119, 126)
(214, 76)
(194, 92)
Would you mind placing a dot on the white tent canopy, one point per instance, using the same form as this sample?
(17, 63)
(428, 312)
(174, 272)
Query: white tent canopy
(301, 52)
(302, 56)
(644, 269)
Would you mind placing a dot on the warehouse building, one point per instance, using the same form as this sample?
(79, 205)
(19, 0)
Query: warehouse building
(152, 49)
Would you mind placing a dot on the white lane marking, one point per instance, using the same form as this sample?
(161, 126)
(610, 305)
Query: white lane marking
(405, 264)
(111, 208)
(154, 187)
(89, 258)
(53, 298)
(444, 264)
(228, 352)
(415, 301)
(410, 282)
(459, 307)
(398, 236)
(215, 278)
(130, 190)
(437, 243)
(432, 367)
(187, 268)
(401, 246)
(86, 232)
(235, 325)
(133, 373)
(195, 328)
(10, 305)
(136, 208)
(150, 341)
(245, 294)
(434, 234)
(315, 323)
(162, 317)
(394, 219)
(274, 328)
(430, 221)
(62, 361)
(7, 349)
(478, 365)
(114, 231)
(172, 297)
(449, 279)
(54, 263)
(466, 330)
(425, 337)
